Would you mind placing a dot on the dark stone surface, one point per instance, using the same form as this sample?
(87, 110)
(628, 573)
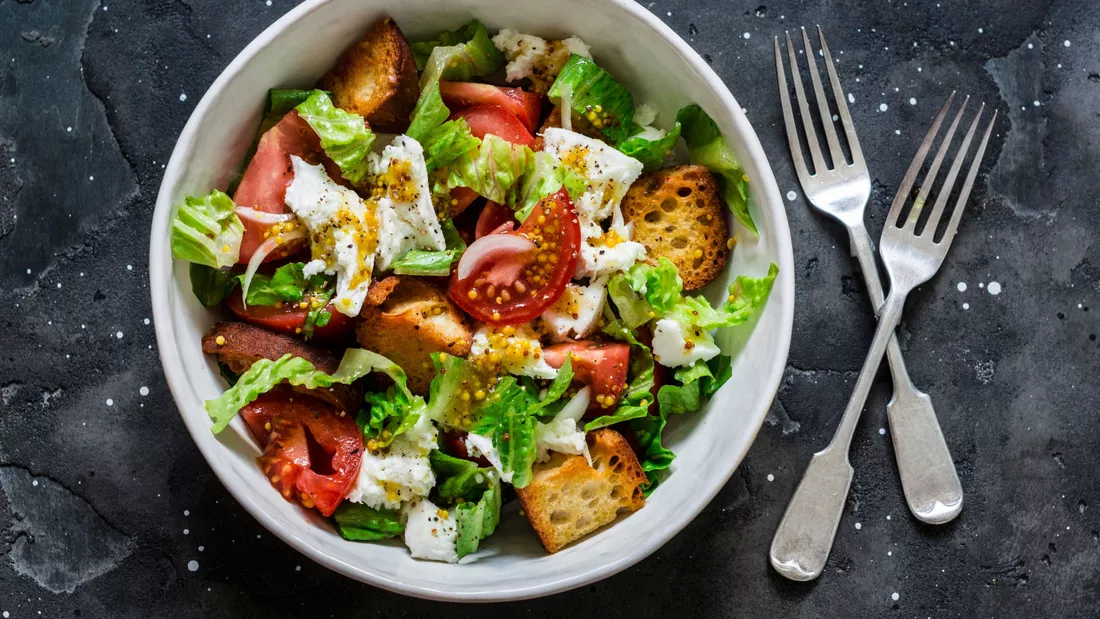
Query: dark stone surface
(107, 500)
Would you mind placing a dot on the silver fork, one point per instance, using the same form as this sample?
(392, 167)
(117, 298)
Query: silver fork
(928, 478)
(912, 255)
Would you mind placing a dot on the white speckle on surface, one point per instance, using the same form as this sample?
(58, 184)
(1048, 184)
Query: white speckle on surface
(851, 98)
(183, 96)
(119, 335)
(91, 178)
(994, 288)
(858, 526)
(912, 100)
(34, 482)
(69, 129)
(791, 195)
(6, 614)
(771, 477)
(882, 431)
(966, 306)
(187, 531)
(889, 553)
(747, 35)
(268, 3)
(894, 596)
(882, 107)
(297, 568)
(186, 512)
(28, 271)
(962, 286)
(58, 284)
(202, 548)
(897, 131)
(981, 30)
(981, 285)
(1066, 43)
(887, 516)
(146, 321)
(193, 565)
(110, 402)
(129, 267)
(669, 13)
(144, 391)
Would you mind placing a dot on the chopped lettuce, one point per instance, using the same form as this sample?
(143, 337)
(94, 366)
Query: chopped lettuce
(427, 263)
(211, 285)
(450, 373)
(458, 478)
(388, 415)
(621, 414)
(448, 142)
(290, 285)
(477, 520)
(706, 147)
(344, 136)
(265, 374)
(650, 151)
(207, 231)
(494, 170)
(654, 456)
(359, 523)
(646, 291)
(429, 113)
(698, 382)
(279, 102)
(506, 419)
(546, 177)
(746, 296)
(594, 95)
(460, 55)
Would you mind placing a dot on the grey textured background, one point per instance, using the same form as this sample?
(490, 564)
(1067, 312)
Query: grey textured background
(106, 500)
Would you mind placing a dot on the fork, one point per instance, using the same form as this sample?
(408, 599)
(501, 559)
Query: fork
(911, 254)
(928, 478)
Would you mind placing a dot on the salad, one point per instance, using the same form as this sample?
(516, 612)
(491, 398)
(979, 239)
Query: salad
(462, 272)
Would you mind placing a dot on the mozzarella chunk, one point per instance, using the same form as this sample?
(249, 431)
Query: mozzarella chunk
(645, 114)
(399, 473)
(478, 445)
(577, 310)
(530, 56)
(430, 532)
(343, 232)
(515, 350)
(605, 253)
(406, 218)
(609, 172)
(675, 346)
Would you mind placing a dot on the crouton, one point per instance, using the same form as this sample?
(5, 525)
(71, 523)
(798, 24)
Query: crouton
(553, 120)
(678, 213)
(568, 499)
(376, 78)
(238, 345)
(407, 320)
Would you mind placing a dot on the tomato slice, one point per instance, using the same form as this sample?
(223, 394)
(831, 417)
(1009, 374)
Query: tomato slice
(461, 199)
(485, 119)
(602, 365)
(494, 218)
(259, 413)
(525, 106)
(312, 455)
(290, 318)
(517, 287)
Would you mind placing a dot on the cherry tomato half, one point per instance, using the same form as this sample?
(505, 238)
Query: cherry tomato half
(525, 106)
(290, 318)
(602, 365)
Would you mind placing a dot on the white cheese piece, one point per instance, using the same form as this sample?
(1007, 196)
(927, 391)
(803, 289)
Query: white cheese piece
(341, 232)
(576, 46)
(478, 446)
(577, 310)
(430, 532)
(399, 473)
(604, 253)
(673, 346)
(564, 433)
(529, 55)
(645, 114)
(406, 218)
(518, 349)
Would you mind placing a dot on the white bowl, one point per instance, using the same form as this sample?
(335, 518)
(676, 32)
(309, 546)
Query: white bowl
(659, 68)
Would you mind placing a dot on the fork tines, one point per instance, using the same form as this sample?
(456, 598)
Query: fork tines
(932, 222)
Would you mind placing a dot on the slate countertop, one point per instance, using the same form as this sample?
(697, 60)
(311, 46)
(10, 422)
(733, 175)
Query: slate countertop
(109, 510)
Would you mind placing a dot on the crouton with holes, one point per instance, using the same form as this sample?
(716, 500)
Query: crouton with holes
(376, 78)
(678, 213)
(568, 499)
(407, 319)
(238, 345)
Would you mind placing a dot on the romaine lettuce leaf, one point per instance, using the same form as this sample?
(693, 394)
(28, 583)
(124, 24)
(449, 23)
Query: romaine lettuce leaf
(344, 136)
(595, 96)
(506, 419)
(458, 478)
(546, 177)
(645, 291)
(460, 55)
(650, 151)
(746, 296)
(448, 142)
(360, 523)
(211, 285)
(450, 372)
(265, 374)
(429, 113)
(622, 413)
(207, 231)
(494, 170)
(388, 415)
(698, 383)
(427, 263)
(707, 147)
(279, 102)
(476, 521)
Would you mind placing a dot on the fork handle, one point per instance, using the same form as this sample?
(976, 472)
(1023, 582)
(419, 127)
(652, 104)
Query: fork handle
(928, 478)
(805, 535)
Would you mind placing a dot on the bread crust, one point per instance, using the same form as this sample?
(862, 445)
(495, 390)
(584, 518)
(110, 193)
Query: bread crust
(376, 78)
(677, 212)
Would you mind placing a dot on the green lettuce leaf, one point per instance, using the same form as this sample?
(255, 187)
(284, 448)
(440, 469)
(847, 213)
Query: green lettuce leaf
(344, 136)
(506, 419)
(279, 102)
(651, 152)
(746, 296)
(698, 383)
(448, 142)
(556, 389)
(211, 285)
(460, 55)
(429, 113)
(207, 231)
(546, 176)
(360, 523)
(594, 95)
(635, 400)
(265, 374)
(494, 170)
(476, 521)
(427, 263)
(622, 413)
(450, 373)
(655, 458)
(389, 414)
(457, 478)
(645, 292)
(707, 147)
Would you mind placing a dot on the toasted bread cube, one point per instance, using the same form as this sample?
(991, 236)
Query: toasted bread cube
(677, 212)
(376, 78)
(568, 499)
(407, 319)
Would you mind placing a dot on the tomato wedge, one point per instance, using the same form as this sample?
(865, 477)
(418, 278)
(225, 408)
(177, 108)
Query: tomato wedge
(602, 365)
(311, 456)
(290, 318)
(525, 106)
(461, 199)
(263, 185)
(486, 119)
(513, 286)
(494, 218)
